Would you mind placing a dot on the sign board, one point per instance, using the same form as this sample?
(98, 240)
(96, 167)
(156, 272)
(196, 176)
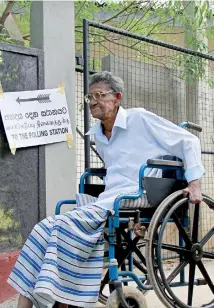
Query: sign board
(33, 118)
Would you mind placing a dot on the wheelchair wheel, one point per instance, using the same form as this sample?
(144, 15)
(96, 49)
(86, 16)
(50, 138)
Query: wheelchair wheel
(133, 296)
(177, 246)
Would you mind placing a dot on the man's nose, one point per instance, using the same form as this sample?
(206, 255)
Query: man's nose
(93, 102)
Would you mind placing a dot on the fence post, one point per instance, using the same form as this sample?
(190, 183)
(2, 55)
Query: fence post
(86, 77)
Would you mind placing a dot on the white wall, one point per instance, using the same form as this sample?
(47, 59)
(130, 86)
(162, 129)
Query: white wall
(52, 29)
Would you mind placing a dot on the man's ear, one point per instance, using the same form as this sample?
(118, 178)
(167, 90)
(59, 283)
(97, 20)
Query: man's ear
(119, 96)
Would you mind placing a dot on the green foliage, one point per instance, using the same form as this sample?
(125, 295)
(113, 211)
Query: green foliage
(22, 17)
(7, 219)
(21, 14)
(4, 38)
(156, 19)
(190, 68)
(147, 18)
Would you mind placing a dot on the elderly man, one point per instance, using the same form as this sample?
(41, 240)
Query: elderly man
(62, 259)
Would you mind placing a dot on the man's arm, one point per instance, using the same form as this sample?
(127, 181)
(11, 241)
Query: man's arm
(180, 143)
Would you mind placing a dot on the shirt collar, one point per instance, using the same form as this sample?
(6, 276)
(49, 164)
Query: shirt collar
(120, 121)
(121, 118)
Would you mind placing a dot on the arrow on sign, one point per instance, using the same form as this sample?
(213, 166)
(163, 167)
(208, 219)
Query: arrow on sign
(41, 98)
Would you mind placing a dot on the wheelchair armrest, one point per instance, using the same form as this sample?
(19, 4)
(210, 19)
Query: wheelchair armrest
(61, 202)
(96, 171)
(161, 162)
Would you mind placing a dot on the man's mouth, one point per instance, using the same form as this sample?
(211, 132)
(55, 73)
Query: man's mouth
(94, 106)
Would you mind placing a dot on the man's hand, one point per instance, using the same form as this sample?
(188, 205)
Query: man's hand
(194, 192)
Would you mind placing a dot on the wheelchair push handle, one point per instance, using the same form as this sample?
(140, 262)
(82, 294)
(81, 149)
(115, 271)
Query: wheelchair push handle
(191, 125)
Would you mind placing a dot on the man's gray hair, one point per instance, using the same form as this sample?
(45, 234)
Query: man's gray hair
(114, 82)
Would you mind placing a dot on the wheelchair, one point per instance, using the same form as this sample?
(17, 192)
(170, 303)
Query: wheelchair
(137, 263)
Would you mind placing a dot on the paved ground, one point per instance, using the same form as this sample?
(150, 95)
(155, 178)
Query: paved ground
(201, 293)
(12, 303)
(7, 261)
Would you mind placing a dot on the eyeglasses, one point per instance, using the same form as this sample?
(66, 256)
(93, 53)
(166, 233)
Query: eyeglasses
(96, 96)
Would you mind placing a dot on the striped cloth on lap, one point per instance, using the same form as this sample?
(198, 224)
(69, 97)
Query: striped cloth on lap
(83, 199)
(139, 203)
(62, 259)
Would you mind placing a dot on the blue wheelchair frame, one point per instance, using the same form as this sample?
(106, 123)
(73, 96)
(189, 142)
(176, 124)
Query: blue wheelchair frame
(114, 222)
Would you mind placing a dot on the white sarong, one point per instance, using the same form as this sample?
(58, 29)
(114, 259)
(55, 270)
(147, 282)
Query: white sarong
(62, 259)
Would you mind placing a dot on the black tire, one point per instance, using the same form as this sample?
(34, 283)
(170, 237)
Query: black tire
(133, 296)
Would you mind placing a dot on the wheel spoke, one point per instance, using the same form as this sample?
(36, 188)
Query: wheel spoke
(174, 248)
(141, 245)
(104, 282)
(123, 268)
(182, 230)
(177, 270)
(195, 224)
(207, 237)
(208, 255)
(139, 266)
(206, 276)
(191, 282)
(105, 279)
(140, 256)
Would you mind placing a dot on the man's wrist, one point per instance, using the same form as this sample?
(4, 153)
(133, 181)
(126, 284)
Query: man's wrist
(194, 173)
(195, 183)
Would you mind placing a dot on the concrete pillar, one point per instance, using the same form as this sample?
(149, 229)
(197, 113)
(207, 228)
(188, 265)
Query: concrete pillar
(52, 29)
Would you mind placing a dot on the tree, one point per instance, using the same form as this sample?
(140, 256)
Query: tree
(155, 19)
(6, 12)
(20, 10)
(150, 18)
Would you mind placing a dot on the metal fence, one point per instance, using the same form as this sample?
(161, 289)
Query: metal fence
(171, 81)
(80, 128)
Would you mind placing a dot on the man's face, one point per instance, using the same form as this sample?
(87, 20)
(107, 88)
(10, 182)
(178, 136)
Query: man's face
(106, 101)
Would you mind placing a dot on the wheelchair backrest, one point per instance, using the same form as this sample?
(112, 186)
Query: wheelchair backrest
(170, 174)
(93, 189)
(157, 189)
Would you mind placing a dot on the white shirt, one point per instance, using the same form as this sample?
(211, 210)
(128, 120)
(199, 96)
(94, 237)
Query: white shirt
(137, 136)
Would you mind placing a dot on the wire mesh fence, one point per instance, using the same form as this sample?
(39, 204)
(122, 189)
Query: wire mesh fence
(172, 82)
(96, 161)
(80, 125)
